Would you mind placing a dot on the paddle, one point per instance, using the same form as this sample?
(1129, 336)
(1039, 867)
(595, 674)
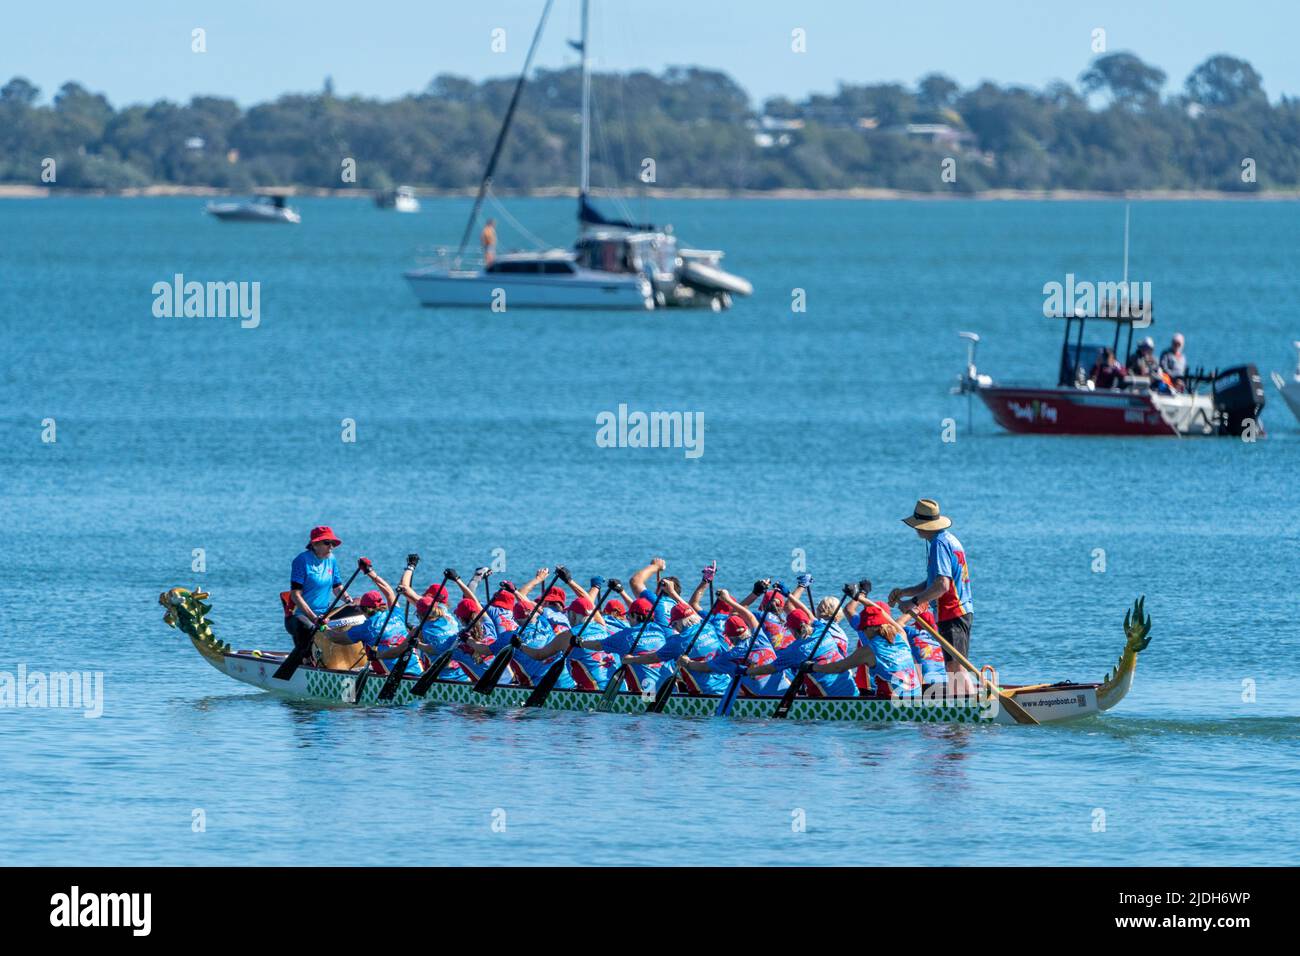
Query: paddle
(1018, 713)
(488, 682)
(616, 679)
(300, 648)
(787, 700)
(389, 690)
(667, 685)
(372, 658)
(543, 688)
(724, 705)
(434, 670)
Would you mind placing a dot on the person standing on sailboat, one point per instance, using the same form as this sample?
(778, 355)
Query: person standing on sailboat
(488, 240)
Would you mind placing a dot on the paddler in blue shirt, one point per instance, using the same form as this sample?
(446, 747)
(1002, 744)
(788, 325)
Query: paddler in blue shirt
(641, 678)
(686, 622)
(884, 649)
(386, 642)
(808, 639)
(738, 630)
(639, 583)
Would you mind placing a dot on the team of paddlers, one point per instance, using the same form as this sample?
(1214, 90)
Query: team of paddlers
(844, 645)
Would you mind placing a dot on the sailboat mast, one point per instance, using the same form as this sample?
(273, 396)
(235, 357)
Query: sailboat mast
(584, 176)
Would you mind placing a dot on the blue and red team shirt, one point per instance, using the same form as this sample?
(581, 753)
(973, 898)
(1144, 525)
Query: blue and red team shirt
(540, 632)
(318, 578)
(894, 664)
(947, 559)
(761, 653)
(440, 634)
(927, 654)
(591, 670)
(663, 615)
(640, 677)
(368, 633)
(710, 643)
(828, 652)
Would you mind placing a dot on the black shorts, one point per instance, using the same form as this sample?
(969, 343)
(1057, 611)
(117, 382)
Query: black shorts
(956, 631)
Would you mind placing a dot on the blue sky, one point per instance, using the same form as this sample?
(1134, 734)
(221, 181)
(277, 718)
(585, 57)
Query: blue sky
(139, 50)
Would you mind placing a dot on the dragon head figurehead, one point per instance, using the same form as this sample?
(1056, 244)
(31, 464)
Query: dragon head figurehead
(186, 611)
(1137, 630)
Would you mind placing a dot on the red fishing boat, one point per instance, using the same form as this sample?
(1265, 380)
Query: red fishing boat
(1226, 402)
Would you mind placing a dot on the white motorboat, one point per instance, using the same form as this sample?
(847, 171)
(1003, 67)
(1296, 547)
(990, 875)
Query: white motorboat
(1290, 390)
(615, 264)
(257, 209)
(401, 199)
(546, 280)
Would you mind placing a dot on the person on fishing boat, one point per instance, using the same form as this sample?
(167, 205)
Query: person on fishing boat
(883, 649)
(1143, 361)
(947, 583)
(1108, 373)
(314, 580)
(1174, 362)
(811, 638)
(488, 241)
(386, 642)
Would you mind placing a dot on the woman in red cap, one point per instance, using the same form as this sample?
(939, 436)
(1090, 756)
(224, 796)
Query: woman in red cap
(313, 581)
(387, 642)
(883, 649)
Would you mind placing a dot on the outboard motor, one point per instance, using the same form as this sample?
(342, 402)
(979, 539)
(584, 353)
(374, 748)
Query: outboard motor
(1238, 396)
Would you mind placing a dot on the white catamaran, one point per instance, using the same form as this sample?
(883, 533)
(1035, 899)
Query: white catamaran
(615, 264)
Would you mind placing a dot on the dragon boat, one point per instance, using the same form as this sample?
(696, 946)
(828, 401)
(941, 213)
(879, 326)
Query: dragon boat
(1048, 703)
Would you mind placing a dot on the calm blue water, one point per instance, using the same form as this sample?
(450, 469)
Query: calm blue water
(476, 432)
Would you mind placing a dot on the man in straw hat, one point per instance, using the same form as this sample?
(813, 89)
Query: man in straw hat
(947, 582)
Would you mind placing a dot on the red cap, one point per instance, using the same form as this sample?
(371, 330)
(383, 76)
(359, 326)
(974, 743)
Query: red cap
(774, 598)
(522, 607)
(372, 599)
(580, 605)
(437, 592)
(615, 606)
(872, 616)
(467, 608)
(928, 618)
(797, 619)
(553, 596)
(735, 626)
(681, 612)
(503, 598)
(641, 606)
(323, 533)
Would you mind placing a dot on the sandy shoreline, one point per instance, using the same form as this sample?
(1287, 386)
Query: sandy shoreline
(18, 191)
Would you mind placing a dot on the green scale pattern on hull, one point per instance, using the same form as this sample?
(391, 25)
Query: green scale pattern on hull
(338, 687)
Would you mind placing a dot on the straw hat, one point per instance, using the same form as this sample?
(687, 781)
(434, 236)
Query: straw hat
(926, 517)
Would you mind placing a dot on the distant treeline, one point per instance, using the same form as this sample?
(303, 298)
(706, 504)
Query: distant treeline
(1114, 131)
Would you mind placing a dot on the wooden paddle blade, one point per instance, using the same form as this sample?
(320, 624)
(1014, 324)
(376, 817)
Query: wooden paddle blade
(1018, 713)
(432, 674)
(488, 682)
(611, 688)
(394, 678)
(543, 689)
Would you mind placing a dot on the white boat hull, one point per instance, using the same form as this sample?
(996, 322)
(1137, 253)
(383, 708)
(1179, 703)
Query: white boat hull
(584, 290)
